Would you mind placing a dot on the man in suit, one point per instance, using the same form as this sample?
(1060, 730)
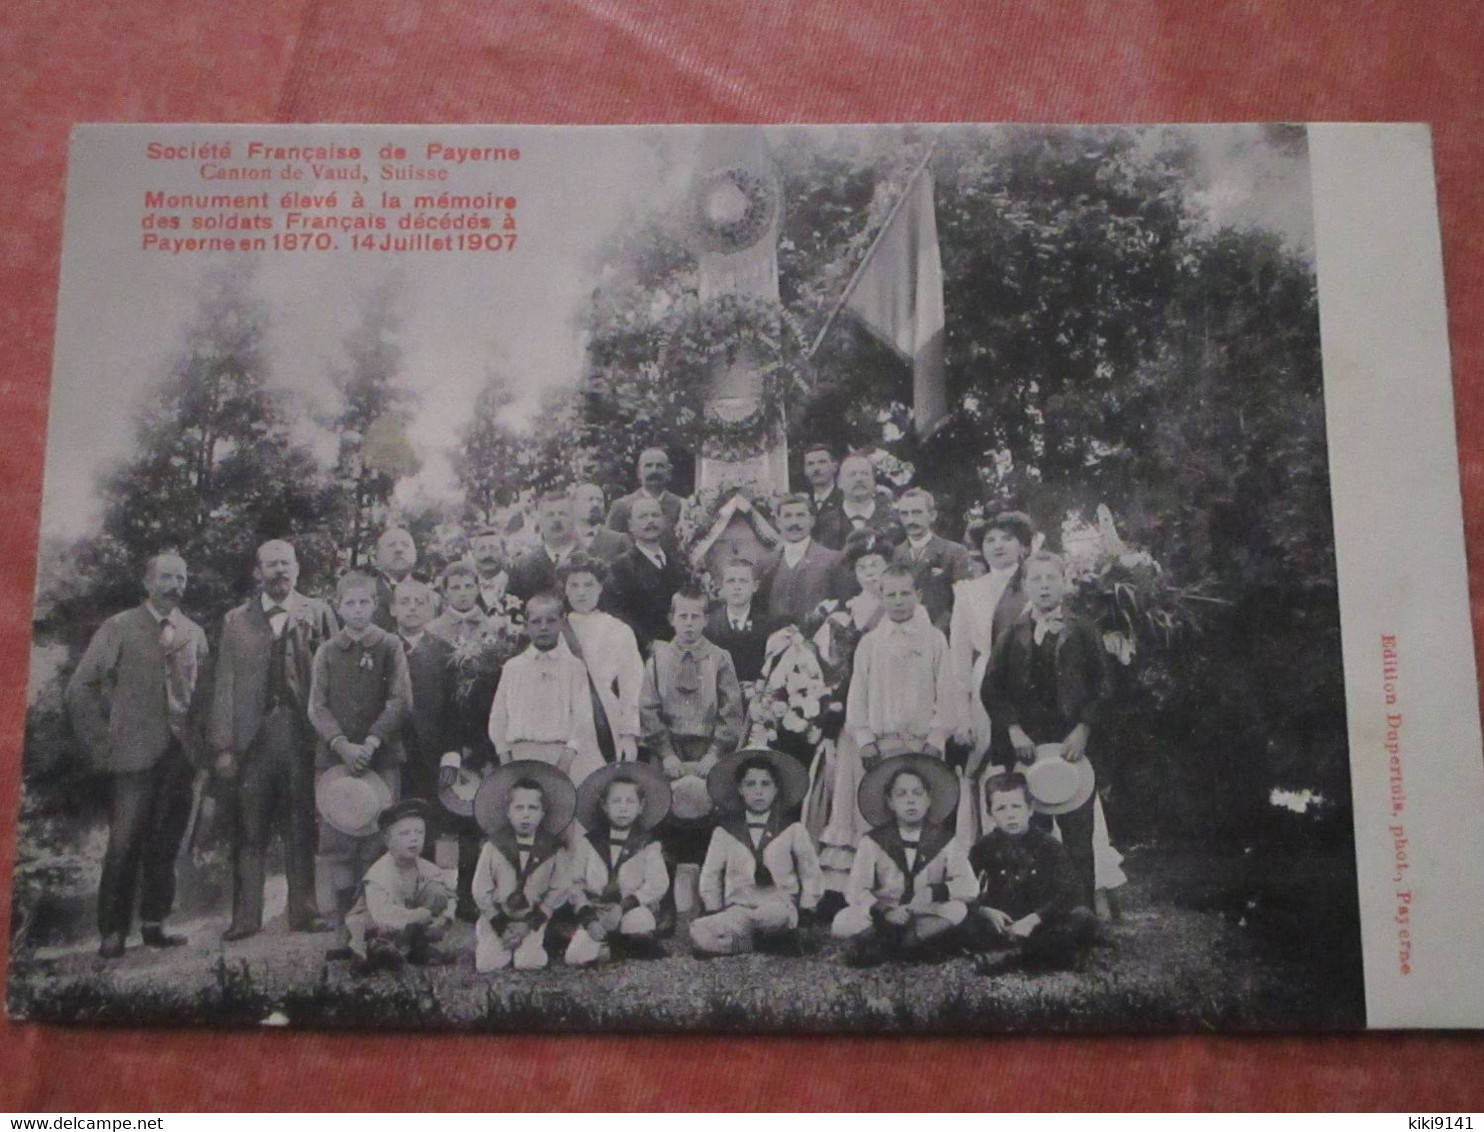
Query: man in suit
(862, 506)
(428, 731)
(592, 535)
(935, 562)
(491, 570)
(801, 573)
(131, 701)
(820, 470)
(654, 483)
(396, 558)
(643, 579)
(259, 729)
(534, 571)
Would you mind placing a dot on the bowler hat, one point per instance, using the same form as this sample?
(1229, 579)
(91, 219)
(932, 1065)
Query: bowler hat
(406, 808)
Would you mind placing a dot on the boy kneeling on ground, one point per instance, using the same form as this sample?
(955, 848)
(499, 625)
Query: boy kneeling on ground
(1028, 887)
(524, 872)
(619, 875)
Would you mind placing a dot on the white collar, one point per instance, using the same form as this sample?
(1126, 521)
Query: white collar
(920, 544)
(412, 641)
(863, 510)
(793, 552)
(494, 582)
(657, 555)
(269, 603)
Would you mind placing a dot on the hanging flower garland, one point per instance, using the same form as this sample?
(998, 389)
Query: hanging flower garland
(702, 337)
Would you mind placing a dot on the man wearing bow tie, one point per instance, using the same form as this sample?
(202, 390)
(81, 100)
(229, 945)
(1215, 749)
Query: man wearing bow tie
(131, 702)
(534, 571)
(1048, 683)
(491, 576)
(259, 730)
(861, 507)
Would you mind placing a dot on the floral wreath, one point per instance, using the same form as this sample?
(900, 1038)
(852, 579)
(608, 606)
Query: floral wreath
(762, 206)
(717, 329)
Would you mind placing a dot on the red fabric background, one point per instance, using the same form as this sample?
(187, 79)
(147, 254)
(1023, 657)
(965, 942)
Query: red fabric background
(67, 61)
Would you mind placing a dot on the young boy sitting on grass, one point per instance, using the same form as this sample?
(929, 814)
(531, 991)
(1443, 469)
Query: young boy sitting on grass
(911, 879)
(406, 902)
(1028, 890)
(761, 879)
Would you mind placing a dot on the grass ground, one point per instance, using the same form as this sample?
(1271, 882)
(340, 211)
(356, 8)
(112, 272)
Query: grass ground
(1172, 962)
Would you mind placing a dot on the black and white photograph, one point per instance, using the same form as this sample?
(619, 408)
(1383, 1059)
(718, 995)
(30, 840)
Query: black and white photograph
(779, 579)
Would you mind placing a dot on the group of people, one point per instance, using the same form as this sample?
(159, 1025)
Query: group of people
(609, 781)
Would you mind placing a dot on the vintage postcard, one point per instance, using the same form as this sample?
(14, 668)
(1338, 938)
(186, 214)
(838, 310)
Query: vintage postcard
(904, 578)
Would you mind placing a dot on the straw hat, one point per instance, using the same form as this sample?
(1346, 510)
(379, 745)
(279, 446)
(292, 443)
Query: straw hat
(788, 773)
(493, 799)
(689, 798)
(654, 788)
(1055, 785)
(941, 782)
(458, 796)
(351, 803)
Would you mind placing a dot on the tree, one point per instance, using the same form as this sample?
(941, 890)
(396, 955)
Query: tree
(494, 458)
(374, 452)
(215, 471)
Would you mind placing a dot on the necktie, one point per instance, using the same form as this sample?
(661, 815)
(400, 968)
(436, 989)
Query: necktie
(762, 876)
(741, 626)
(688, 675)
(659, 559)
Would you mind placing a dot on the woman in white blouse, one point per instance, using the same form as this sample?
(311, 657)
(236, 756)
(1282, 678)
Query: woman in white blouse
(608, 648)
(983, 609)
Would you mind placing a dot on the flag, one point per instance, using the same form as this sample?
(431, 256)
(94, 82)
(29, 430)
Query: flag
(898, 295)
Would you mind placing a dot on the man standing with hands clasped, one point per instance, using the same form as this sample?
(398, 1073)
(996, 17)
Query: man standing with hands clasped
(131, 702)
(259, 729)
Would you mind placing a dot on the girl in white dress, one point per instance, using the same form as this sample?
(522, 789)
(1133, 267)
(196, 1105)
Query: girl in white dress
(608, 648)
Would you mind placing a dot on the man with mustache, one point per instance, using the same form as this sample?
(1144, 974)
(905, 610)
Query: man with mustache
(801, 573)
(131, 702)
(645, 578)
(654, 483)
(491, 569)
(592, 535)
(259, 729)
(862, 506)
(396, 558)
(534, 571)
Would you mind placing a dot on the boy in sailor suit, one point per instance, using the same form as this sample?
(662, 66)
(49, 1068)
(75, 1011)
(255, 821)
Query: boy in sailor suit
(761, 879)
(524, 872)
(619, 875)
(911, 880)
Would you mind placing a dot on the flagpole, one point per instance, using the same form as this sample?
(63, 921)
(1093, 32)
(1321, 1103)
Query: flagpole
(871, 251)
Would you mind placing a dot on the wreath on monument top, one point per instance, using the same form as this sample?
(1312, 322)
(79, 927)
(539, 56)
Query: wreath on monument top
(701, 336)
(734, 209)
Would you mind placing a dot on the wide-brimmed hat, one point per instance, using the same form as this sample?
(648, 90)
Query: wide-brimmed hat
(1056, 786)
(941, 782)
(458, 796)
(689, 798)
(788, 773)
(351, 803)
(654, 788)
(493, 799)
(406, 808)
